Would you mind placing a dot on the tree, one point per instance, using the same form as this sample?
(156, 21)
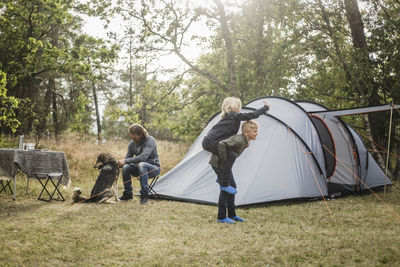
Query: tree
(343, 66)
(8, 106)
(34, 48)
(230, 54)
(365, 85)
(49, 64)
(99, 59)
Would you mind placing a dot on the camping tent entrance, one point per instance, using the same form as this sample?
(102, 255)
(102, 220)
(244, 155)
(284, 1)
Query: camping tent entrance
(344, 175)
(356, 169)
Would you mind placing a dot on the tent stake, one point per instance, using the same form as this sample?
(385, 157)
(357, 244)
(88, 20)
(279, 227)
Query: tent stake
(388, 151)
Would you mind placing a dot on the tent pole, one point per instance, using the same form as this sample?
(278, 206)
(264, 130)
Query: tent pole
(388, 150)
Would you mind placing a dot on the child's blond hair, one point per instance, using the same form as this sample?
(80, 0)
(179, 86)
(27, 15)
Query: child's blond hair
(248, 125)
(230, 104)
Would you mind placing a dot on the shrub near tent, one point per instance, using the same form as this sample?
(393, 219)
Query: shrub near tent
(296, 155)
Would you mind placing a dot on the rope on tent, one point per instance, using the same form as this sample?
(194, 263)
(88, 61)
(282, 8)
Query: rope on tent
(381, 147)
(312, 170)
(375, 194)
(384, 152)
(395, 107)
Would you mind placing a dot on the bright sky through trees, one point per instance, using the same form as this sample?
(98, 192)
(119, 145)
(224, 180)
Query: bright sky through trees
(95, 27)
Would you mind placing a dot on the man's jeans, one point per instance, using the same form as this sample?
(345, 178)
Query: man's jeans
(144, 171)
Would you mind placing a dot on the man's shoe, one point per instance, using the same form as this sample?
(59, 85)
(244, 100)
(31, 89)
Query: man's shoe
(144, 201)
(228, 189)
(226, 220)
(238, 219)
(125, 198)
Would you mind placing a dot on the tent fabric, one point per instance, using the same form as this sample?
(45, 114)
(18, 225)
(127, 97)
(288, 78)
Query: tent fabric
(256, 184)
(286, 161)
(352, 166)
(297, 119)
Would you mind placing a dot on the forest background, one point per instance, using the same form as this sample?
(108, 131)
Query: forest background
(341, 54)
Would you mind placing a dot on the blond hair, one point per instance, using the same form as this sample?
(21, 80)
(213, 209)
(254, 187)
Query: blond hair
(138, 130)
(230, 104)
(248, 125)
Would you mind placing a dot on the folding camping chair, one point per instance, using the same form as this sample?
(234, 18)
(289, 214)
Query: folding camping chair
(151, 185)
(50, 177)
(4, 187)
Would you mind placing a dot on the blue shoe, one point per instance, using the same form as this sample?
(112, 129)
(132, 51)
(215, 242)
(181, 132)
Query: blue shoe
(226, 220)
(238, 219)
(228, 189)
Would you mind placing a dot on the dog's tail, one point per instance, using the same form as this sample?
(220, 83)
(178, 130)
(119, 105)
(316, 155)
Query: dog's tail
(76, 196)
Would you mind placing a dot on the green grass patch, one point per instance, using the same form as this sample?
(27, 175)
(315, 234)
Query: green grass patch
(362, 232)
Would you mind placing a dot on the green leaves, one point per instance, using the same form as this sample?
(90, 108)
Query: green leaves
(8, 106)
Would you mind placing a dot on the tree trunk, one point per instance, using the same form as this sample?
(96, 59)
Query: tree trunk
(260, 72)
(41, 129)
(356, 24)
(130, 73)
(366, 85)
(52, 85)
(230, 55)
(97, 113)
(396, 171)
(340, 58)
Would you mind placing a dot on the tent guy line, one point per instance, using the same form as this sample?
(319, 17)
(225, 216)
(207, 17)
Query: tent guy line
(315, 177)
(390, 208)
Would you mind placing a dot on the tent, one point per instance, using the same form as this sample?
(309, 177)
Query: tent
(301, 151)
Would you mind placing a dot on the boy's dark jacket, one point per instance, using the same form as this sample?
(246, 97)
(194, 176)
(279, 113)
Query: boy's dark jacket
(237, 143)
(230, 124)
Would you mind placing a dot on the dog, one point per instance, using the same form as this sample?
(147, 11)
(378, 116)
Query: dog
(106, 186)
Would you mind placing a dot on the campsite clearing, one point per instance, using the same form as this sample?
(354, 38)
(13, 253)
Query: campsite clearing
(363, 232)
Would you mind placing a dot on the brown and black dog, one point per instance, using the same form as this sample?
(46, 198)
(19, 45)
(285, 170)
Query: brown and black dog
(103, 190)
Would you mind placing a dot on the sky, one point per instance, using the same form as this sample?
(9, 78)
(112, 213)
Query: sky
(95, 27)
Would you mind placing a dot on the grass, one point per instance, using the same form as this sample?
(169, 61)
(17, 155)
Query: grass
(362, 232)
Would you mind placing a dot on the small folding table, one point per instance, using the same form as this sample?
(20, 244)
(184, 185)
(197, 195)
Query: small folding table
(38, 164)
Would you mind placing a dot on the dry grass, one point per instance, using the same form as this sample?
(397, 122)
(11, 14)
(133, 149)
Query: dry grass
(362, 232)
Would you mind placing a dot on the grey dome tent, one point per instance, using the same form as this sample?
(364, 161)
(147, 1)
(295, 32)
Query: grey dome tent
(295, 155)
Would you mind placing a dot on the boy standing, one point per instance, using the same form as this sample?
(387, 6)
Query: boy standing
(228, 150)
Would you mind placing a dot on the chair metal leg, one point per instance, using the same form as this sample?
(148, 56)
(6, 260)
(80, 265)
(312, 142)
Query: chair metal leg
(27, 184)
(15, 186)
(51, 195)
(44, 189)
(151, 189)
(60, 196)
(4, 187)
